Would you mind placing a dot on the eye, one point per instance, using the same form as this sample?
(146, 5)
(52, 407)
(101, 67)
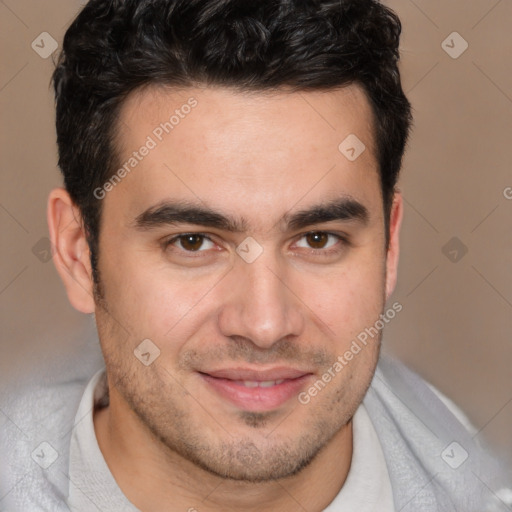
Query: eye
(190, 242)
(322, 241)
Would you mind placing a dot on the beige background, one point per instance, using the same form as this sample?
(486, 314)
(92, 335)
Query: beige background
(455, 326)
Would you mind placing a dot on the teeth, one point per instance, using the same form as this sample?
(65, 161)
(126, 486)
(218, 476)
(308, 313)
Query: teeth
(261, 384)
(250, 383)
(267, 383)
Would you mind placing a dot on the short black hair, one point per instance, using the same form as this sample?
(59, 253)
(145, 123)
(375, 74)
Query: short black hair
(115, 47)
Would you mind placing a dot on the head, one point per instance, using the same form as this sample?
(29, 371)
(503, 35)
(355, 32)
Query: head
(241, 108)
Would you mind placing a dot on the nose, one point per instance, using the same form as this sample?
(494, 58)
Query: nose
(261, 305)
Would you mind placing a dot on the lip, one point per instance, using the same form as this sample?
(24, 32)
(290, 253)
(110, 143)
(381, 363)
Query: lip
(281, 372)
(227, 384)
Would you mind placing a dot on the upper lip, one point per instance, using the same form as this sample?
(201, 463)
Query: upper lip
(257, 375)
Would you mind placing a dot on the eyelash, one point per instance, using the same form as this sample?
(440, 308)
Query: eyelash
(320, 252)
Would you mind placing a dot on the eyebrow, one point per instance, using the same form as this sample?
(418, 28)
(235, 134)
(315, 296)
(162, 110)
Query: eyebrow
(179, 212)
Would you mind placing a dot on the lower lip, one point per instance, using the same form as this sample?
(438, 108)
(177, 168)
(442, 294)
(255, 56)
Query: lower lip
(257, 399)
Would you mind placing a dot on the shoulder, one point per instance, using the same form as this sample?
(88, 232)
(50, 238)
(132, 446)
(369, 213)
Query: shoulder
(410, 389)
(434, 454)
(38, 415)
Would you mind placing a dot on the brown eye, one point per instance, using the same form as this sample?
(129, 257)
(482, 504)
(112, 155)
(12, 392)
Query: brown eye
(191, 242)
(323, 243)
(317, 240)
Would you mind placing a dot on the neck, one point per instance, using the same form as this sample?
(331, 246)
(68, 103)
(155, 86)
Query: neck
(151, 476)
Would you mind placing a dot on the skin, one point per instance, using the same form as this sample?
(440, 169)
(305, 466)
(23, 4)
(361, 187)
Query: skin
(167, 436)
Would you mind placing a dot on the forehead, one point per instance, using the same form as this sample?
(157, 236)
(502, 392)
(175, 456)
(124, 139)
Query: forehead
(240, 115)
(242, 150)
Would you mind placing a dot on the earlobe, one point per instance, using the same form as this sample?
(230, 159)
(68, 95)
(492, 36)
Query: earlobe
(395, 223)
(71, 250)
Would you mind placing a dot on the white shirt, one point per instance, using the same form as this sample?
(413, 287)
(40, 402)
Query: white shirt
(366, 489)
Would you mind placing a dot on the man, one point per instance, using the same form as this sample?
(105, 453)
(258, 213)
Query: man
(230, 217)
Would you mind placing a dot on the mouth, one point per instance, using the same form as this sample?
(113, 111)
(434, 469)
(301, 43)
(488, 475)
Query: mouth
(257, 390)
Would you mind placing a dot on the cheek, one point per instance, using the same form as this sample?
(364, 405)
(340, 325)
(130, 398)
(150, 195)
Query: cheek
(151, 300)
(347, 300)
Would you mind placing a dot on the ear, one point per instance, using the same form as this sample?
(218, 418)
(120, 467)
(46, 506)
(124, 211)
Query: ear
(71, 250)
(395, 221)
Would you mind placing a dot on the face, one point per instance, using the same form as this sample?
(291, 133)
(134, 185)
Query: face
(251, 252)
